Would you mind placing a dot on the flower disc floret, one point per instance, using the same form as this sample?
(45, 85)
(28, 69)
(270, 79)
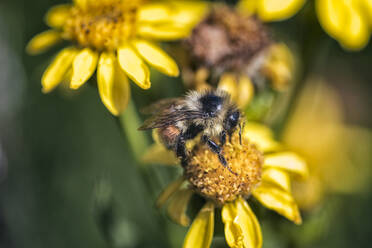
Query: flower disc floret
(212, 180)
(103, 27)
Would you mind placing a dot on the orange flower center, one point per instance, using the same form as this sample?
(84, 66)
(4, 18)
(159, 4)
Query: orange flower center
(101, 26)
(212, 180)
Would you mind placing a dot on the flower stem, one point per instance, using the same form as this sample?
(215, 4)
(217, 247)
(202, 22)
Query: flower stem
(130, 122)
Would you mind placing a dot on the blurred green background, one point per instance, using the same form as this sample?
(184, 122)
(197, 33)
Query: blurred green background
(68, 177)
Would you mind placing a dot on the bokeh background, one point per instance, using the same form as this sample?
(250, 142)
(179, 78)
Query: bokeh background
(68, 177)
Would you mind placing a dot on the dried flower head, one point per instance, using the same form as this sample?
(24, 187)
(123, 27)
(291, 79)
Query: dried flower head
(233, 51)
(226, 40)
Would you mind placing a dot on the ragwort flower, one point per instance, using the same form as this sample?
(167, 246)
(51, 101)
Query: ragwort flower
(260, 169)
(118, 37)
(233, 50)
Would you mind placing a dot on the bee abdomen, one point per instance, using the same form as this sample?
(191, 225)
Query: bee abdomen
(169, 136)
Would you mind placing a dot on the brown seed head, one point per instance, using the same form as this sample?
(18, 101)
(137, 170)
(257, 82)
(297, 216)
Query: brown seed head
(226, 40)
(211, 179)
(102, 26)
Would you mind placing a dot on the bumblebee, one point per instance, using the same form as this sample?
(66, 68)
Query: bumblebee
(210, 113)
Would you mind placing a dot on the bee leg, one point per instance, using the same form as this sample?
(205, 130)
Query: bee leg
(230, 133)
(216, 149)
(223, 138)
(181, 151)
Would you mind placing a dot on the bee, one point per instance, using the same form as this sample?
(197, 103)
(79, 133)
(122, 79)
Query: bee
(210, 113)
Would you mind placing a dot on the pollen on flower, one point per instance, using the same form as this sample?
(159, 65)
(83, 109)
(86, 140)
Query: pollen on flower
(102, 26)
(227, 40)
(208, 177)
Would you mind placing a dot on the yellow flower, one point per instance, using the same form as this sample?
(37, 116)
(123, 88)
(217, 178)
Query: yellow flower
(118, 37)
(347, 21)
(338, 155)
(271, 10)
(259, 167)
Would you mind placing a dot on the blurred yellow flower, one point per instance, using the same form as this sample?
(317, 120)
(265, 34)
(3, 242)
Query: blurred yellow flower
(338, 155)
(347, 21)
(259, 167)
(271, 10)
(118, 38)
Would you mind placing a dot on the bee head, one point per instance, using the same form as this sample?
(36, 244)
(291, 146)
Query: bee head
(231, 120)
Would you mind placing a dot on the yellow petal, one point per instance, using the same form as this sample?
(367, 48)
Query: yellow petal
(367, 4)
(278, 200)
(133, 65)
(43, 41)
(248, 6)
(260, 135)
(154, 12)
(273, 10)
(200, 233)
(249, 224)
(344, 21)
(356, 32)
(83, 67)
(169, 191)
(233, 233)
(162, 32)
(57, 15)
(288, 161)
(331, 16)
(156, 57)
(181, 13)
(178, 205)
(56, 71)
(246, 91)
(277, 177)
(241, 225)
(188, 13)
(81, 3)
(158, 154)
(228, 212)
(113, 84)
(229, 84)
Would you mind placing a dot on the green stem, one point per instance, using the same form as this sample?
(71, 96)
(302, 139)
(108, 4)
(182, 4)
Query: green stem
(129, 122)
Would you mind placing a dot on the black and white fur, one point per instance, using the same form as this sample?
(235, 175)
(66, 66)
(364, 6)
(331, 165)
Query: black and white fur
(211, 113)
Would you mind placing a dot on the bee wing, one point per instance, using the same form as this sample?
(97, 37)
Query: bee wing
(161, 105)
(169, 117)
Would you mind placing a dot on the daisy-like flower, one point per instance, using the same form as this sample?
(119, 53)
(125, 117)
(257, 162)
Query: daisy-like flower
(332, 149)
(233, 50)
(347, 21)
(261, 169)
(118, 37)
